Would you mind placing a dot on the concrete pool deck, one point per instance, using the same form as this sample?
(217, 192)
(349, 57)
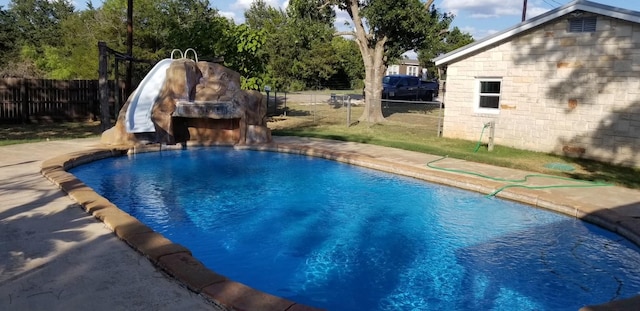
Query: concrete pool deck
(57, 256)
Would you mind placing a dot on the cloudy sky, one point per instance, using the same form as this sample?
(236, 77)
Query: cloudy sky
(478, 17)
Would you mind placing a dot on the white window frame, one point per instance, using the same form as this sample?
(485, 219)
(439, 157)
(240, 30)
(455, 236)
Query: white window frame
(477, 96)
(412, 71)
(393, 70)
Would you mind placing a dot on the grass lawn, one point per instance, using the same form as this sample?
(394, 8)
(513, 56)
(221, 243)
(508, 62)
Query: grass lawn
(27, 133)
(414, 127)
(409, 126)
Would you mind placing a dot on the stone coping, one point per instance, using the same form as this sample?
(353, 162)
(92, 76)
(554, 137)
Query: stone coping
(178, 262)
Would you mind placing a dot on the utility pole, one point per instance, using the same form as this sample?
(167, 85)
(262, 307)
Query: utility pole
(524, 11)
(129, 46)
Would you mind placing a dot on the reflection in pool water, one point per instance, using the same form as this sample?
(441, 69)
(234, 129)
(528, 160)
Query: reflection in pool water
(339, 237)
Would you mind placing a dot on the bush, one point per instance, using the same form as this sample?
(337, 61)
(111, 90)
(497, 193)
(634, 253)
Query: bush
(296, 86)
(357, 84)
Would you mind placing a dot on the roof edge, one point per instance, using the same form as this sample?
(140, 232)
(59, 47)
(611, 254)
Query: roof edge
(577, 5)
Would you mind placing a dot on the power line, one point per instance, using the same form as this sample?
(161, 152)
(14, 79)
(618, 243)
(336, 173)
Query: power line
(550, 4)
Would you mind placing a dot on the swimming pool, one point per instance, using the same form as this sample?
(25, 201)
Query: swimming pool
(340, 237)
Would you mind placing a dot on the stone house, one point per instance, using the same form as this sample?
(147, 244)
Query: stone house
(565, 82)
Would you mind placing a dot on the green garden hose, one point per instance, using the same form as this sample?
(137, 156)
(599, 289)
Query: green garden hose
(482, 132)
(517, 182)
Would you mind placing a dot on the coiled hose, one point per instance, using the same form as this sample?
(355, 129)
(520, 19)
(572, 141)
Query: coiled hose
(517, 183)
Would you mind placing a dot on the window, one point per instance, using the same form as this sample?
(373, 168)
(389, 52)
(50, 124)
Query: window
(393, 70)
(488, 95)
(412, 70)
(582, 24)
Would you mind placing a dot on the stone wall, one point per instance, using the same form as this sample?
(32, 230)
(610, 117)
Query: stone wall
(568, 93)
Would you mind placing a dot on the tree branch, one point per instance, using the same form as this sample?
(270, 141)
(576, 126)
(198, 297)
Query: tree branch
(324, 5)
(344, 33)
(354, 11)
(428, 4)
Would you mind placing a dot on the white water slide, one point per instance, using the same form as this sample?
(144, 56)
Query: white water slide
(138, 116)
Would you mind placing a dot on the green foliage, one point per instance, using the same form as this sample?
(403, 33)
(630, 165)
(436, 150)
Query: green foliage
(8, 37)
(192, 24)
(38, 21)
(262, 16)
(453, 39)
(66, 42)
(292, 49)
(349, 62)
(248, 58)
(404, 24)
(34, 25)
(296, 86)
(313, 10)
(297, 49)
(79, 45)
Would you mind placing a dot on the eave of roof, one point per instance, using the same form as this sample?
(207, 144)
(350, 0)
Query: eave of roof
(578, 5)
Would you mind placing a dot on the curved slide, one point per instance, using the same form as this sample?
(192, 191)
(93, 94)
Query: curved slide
(138, 116)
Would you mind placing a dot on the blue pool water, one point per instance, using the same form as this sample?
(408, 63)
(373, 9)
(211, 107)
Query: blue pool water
(340, 237)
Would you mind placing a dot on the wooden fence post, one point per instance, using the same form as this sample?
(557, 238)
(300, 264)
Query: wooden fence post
(116, 91)
(103, 87)
(24, 106)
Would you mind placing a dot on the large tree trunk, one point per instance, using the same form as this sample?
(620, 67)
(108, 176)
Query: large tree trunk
(372, 50)
(373, 92)
(375, 70)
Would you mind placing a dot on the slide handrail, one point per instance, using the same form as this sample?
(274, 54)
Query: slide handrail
(194, 53)
(177, 50)
(185, 54)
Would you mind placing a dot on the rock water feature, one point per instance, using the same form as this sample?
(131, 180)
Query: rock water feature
(197, 102)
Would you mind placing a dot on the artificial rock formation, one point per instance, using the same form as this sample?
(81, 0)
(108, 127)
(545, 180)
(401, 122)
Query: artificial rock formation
(201, 103)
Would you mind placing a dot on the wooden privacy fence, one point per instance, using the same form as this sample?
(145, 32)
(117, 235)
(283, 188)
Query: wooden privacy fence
(38, 100)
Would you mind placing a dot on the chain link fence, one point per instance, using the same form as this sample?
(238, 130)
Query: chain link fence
(344, 109)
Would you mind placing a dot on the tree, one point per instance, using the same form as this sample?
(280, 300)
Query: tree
(193, 24)
(308, 10)
(453, 39)
(262, 16)
(297, 48)
(383, 30)
(270, 21)
(248, 57)
(159, 27)
(38, 21)
(349, 64)
(34, 35)
(8, 30)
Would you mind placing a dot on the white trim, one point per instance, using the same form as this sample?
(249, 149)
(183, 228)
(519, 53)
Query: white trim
(477, 94)
(582, 5)
(413, 70)
(393, 70)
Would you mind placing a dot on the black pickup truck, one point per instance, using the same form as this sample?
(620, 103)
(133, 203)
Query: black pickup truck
(408, 87)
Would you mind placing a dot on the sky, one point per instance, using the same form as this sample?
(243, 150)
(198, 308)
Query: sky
(480, 18)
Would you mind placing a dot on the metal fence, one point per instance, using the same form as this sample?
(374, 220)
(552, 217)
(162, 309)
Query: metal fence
(344, 109)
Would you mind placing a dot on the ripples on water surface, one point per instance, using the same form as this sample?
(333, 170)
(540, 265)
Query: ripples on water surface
(341, 237)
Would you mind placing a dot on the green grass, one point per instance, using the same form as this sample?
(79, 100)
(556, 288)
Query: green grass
(27, 133)
(409, 127)
(327, 92)
(414, 128)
